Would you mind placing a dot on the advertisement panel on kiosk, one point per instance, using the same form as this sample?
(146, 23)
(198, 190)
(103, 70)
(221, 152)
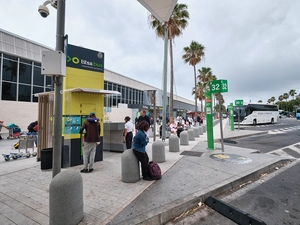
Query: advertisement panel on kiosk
(81, 95)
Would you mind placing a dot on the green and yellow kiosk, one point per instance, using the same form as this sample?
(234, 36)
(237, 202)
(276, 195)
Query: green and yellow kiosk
(83, 92)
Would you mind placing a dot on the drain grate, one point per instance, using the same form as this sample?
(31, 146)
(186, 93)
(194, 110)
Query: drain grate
(191, 153)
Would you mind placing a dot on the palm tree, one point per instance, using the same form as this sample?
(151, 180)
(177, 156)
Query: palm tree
(206, 76)
(285, 96)
(273, 99)
(193, 55)
(176, 24)
(269, 101)
(292, 93)
(200, 88)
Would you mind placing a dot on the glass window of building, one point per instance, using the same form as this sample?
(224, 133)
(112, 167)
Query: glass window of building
(9, 91)
(25, 73)
(10, 70)
(24, 93)
(38, 78)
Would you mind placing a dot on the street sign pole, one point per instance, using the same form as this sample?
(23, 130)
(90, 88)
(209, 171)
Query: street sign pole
(231, 117)
(218, 86)
(209, 121)
(238, 103)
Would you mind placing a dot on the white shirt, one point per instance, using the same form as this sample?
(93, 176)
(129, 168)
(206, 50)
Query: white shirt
(129, 126)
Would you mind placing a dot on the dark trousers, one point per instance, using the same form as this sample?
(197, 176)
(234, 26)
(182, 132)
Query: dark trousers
(144, 159)
(128, 140)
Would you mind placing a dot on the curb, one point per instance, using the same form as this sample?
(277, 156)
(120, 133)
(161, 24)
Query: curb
(170, 211)
(242, 136)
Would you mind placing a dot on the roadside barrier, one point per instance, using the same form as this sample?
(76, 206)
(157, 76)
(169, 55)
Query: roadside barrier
(173, 143)
(130, 167)
(191, 134)
(196, 131)
(158, 151)
(184, 138)
(66, 198)
(200, 130)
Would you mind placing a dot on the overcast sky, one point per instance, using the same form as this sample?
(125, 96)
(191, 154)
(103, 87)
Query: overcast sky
(254, 44)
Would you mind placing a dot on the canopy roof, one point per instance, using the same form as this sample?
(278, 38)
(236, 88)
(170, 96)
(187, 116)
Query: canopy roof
(81, 90)
(161, 9)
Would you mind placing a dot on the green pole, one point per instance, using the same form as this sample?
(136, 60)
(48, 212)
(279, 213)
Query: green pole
(209, 121)
(231, 117)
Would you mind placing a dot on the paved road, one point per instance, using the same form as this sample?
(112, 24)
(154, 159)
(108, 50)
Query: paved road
(282, 138)
(275, 198)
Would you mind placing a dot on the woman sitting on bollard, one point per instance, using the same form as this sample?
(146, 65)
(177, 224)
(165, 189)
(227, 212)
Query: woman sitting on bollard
(139, 148)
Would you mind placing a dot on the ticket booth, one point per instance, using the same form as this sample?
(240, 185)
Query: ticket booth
(83, 92)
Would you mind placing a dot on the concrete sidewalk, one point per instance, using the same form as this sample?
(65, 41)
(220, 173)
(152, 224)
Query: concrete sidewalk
(187, 180)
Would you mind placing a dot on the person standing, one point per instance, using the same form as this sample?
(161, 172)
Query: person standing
(139, 148)
(128, 132)
(143, 117)
(91, 140)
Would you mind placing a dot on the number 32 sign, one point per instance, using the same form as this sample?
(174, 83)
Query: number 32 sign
(217, 86)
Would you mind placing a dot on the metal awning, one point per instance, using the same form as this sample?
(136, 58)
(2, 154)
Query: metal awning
(81, 90)
(162, 10)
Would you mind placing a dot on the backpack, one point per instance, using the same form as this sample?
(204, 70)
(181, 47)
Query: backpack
(154, 170)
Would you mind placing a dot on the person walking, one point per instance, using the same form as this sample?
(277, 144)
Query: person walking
(91, 129)
(139, 148)
(128, 132)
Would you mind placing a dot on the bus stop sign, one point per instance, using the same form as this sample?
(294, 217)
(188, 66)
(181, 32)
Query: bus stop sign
(238, 102)
(217, 86)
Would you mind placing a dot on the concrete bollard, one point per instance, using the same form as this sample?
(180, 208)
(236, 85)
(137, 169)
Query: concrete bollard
(130, 167)
(66, 198)
(201, 130)
(204, 129)
(158, 151)
(173, 143)
(191, 134)
(196, 130)
(184, 138)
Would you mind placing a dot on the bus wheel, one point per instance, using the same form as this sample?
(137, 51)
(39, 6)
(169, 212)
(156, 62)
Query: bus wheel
(272, 120)
(254, 122)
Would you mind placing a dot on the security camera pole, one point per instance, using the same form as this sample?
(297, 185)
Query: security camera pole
(58, 84)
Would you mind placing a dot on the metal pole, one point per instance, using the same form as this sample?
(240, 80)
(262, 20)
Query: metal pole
(221, 126)
(238, 118)
(164, 117)
(58, 84)
(154, 116)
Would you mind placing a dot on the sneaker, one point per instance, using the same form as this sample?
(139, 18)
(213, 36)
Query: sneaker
(147, 178)
(84, 170)
(90, 170)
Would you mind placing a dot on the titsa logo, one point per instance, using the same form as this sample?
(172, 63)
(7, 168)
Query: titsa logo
(74, 60)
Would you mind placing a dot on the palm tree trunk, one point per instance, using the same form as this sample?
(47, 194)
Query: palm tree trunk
(171, 80)
(195, 81)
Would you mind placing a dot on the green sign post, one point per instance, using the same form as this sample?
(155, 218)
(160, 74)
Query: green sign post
(209, 120)
(239, 103)
(230, 108)
(216, 87)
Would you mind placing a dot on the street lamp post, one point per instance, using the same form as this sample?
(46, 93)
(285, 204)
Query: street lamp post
(57, 80)
(58, 85)
(162, 11)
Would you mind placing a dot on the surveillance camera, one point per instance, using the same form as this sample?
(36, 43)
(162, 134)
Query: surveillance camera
(44, 11)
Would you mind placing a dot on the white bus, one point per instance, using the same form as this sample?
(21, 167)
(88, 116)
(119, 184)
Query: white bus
(256, 113)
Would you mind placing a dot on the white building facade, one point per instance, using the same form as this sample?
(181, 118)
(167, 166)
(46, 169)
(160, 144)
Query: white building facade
(20, 79)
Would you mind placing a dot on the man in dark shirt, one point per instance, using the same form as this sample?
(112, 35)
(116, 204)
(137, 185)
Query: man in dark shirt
(91, 129)
(143, 117)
